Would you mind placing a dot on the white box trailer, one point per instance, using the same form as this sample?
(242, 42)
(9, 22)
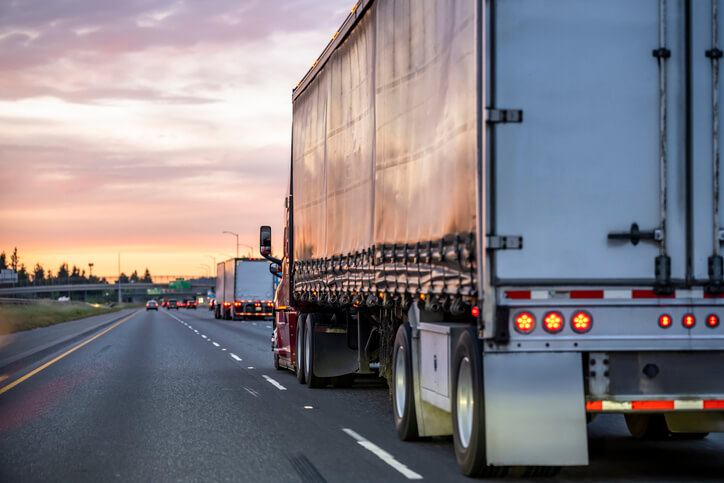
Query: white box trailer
(246, 289)
(513, 208)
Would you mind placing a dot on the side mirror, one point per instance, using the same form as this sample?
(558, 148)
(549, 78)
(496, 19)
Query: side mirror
(265, 244)
(275, 269)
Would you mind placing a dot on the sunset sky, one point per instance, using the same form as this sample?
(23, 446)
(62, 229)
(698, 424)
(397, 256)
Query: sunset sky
(148, 127)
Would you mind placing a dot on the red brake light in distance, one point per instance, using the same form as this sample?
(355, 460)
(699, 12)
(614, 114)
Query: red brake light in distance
(475, 311)
(712, 321)
(664, 321)
(524, 323)
(553, 322)
(688, 321)
(581, 322)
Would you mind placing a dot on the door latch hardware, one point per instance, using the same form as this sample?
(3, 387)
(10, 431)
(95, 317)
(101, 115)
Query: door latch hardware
(503, 115)
(495, 242)
(635, 235)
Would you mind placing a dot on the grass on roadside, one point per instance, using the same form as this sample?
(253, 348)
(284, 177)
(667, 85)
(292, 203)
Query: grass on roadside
(14, 318)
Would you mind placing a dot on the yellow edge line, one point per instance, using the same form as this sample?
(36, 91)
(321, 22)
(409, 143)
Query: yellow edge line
(31, 374)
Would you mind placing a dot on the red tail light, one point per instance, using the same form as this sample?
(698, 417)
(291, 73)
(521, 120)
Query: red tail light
(581, 322)
(237, 304)
(712, 321)
(689, 321)
(664, 321)
(227, 304)
(524, 323)
(553, 322)
(475, 311)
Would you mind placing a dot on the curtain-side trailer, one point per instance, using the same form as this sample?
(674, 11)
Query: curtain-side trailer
(511, 210)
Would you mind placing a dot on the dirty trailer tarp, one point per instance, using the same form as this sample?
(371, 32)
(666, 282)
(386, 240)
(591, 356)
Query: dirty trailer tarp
(384, 146)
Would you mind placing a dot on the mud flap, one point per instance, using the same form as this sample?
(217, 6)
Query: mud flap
(535, 411)
(332, 355)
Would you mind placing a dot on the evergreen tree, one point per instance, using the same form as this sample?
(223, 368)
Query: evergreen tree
(3, 261)
(134, 276)
(23, 277)
(63, 273)
(38, 274)
(147, 276)
(14, 259)
(123, 278)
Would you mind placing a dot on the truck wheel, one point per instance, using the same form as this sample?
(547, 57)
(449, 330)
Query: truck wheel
(312, 380)
(301, 320)
(467, 408)
(276, 362)
(403, 400)
(647, 426)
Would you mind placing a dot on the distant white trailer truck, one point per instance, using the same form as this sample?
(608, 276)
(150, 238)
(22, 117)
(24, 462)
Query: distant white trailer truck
(511, 210)
(244, 289)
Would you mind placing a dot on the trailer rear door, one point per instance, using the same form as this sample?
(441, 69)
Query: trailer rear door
(585, 160)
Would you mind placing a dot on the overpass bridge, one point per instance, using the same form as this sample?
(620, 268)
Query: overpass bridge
(136, 290)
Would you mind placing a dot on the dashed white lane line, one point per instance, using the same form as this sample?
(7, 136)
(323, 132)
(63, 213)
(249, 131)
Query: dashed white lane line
(383, 455)
(202, 335)
(274, 383)
(268, 326)
(235, 357)
(223, 349)
(196, 331)
(216, 344)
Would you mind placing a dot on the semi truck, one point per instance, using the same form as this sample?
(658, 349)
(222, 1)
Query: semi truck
(244, 289)
(511, 211)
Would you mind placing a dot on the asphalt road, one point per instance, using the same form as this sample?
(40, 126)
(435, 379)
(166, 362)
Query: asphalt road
(179, 396)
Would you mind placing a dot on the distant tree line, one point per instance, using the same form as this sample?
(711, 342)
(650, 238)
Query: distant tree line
(64, 275)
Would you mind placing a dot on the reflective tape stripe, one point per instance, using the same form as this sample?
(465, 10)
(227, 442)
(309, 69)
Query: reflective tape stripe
(615, 405)
(670, 405)
(685, 404)
(652, 405)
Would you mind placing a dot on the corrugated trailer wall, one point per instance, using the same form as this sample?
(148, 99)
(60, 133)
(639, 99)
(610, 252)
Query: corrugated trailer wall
(384, 155)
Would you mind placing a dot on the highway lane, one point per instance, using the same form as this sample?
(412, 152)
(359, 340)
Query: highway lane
(181, 396)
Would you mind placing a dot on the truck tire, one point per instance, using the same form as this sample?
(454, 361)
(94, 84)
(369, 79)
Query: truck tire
(654, 426)
(301, 321)
(312, 380)
(467, 408)
(647, 426)
(403, 391)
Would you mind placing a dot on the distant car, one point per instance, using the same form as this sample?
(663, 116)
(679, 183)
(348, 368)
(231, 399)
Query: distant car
(192, 304)
(173, 304)
(151, 305)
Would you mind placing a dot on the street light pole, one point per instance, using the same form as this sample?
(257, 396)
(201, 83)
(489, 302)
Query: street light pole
(237, 241)
(119, 277)
(214, 259)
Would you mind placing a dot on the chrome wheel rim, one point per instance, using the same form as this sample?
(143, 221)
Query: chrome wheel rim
(307, 359)
(400, 382)
(465, 402)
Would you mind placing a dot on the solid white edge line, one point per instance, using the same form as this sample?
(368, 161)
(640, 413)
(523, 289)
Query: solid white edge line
(235, 357)
(216, 344)
(274, 383)
(383, 455)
